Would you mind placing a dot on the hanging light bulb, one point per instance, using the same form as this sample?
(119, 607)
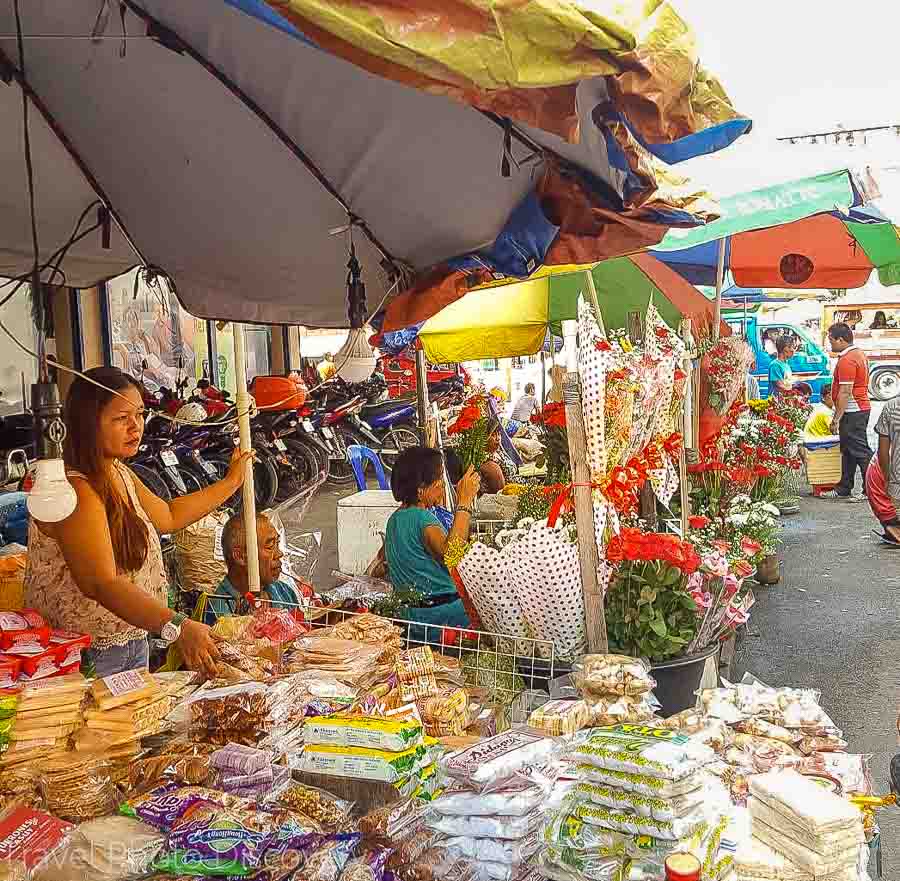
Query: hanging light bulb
(52, 497)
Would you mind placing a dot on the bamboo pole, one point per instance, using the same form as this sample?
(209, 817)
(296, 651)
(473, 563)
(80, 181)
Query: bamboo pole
(422, 393)
(687, 427)
(588, 552)
(720, 281)
(243, 401)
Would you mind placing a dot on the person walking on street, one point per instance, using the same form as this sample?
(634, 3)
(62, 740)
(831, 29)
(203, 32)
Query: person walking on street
(525, 406)
(850, 390)
(781, 379)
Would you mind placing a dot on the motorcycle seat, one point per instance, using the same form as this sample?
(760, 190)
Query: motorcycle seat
(391, 406)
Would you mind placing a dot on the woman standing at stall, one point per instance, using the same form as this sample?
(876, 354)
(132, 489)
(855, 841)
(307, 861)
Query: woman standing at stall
(100, 571)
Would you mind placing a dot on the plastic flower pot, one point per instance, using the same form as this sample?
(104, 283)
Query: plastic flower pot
(678, 679)
(769, 570)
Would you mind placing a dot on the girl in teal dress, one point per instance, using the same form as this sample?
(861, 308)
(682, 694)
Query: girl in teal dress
(415, 541)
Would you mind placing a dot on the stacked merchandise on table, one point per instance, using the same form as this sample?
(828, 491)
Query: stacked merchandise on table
(814, 833)
(492, 811)
(370, 750)
(31, 650)
(42, 716)
(615, 688)
(640, 794)
(258, 714)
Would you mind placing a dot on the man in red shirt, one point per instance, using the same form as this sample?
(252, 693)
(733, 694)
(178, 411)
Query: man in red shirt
(850, 389)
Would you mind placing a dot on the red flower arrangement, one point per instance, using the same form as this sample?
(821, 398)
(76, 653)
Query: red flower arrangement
(472, 427)
(633, 545)
(553, 414)
(469, 416)
(552, 418)
(622, 485)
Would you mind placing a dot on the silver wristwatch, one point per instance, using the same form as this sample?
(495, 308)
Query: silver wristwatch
(172, 629)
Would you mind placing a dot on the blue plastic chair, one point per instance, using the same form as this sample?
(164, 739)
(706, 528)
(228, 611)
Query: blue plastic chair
(356, 453)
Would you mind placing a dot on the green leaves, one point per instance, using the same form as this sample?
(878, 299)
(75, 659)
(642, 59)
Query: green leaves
(649, 613)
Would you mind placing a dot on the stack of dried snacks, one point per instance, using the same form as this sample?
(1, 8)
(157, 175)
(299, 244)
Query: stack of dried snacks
(47, 713)
(248, 772)
(77, 787)
(488, 818)
(817, 832)
(346, 659)
(247, 713)
(415, 670)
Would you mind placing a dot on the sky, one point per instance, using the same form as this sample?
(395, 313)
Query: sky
(794, 67)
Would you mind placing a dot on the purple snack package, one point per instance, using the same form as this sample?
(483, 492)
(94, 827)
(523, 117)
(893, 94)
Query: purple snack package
(163, 806)
(237, 759)
(263, 777)
(231, 833)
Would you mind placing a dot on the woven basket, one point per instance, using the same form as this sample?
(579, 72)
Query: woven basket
(823, 466)
(12, 581)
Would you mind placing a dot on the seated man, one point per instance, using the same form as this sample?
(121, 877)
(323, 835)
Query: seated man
(819, 422)
(230, 595)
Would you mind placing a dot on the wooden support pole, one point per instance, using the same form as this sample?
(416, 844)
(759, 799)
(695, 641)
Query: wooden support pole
(687, 434)
(588, 552)
(720, 281)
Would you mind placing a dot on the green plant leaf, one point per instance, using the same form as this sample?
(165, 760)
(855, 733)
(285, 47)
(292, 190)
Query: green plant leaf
(658, 626)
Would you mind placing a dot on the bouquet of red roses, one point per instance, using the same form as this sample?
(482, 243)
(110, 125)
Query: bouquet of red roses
(552, 420)
(649, 609)
(471, 431)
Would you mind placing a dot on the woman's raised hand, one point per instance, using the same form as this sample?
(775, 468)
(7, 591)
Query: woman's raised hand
(467, 489)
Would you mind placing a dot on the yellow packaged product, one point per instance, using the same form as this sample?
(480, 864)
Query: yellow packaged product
(370, 732)
(367, 764)
(560, 717)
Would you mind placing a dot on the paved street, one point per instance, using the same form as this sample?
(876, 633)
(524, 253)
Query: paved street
(832, 624)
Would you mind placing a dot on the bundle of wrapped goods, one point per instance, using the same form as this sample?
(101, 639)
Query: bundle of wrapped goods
(561, 717)
(248, 772)
(47, 713)
(368, 628)
(415, 670)
(246, 713)
(346, 659)
(487, 821)
(448, 713)
(176, 761)
(640, 794)
(615, 688)
(24, 631)
(815, 830)
(28, 837)
(105, 849)
(77, 787)
(369, 749)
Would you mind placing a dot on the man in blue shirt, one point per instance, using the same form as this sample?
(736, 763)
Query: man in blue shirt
(230, 595)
